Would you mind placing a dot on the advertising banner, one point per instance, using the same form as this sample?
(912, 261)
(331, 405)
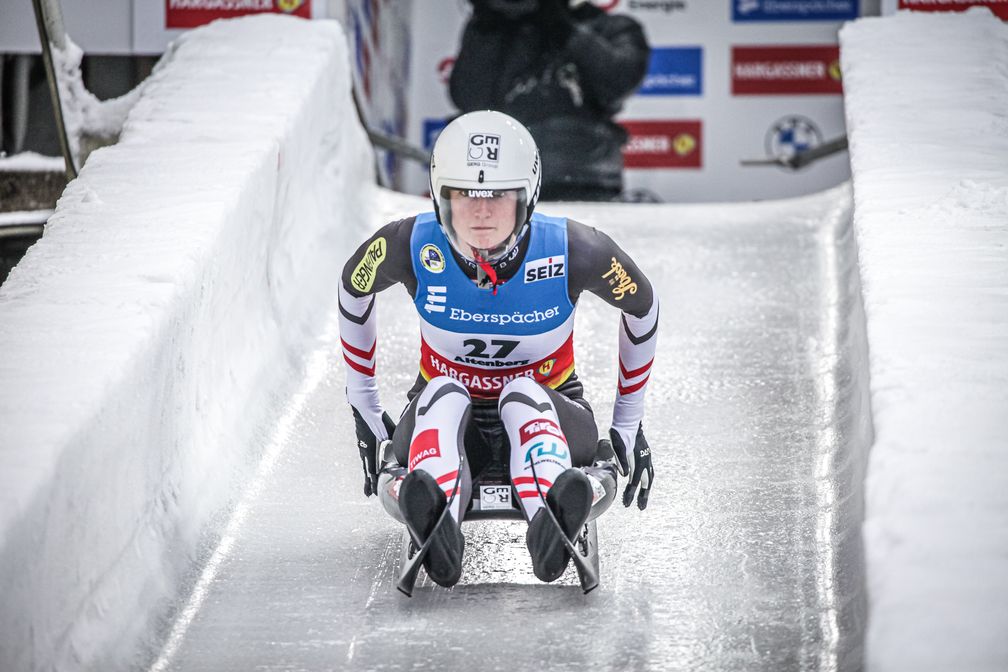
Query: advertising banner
(795, 10)
(674, 71)
(663, 144)
(193, 13)
(998, 7)
(786, 70)
(379, 37)
(155, 23)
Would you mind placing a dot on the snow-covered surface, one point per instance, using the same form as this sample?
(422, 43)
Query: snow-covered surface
(84, 115)
(142, 338)
(926, 98)
(31, 161)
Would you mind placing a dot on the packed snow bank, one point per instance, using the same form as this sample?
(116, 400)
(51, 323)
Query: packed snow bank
(140, 339)
(926, 96)
(89, 122)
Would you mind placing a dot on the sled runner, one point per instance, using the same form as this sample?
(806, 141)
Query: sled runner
(494, 498)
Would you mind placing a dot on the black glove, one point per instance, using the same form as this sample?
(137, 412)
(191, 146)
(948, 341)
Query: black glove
(367, 444)
(643, 472)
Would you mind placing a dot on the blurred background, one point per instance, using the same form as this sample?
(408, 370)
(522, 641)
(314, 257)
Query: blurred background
(727, 82)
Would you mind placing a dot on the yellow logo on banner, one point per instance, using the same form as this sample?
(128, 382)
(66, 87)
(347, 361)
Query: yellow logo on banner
(834, 70)
(363, 276)
(289, 5)
(546, 367)
(684, 144)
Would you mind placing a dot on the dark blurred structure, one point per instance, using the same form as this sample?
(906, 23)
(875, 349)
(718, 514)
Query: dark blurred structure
(27, 125)
(26, 116)
(563, 68)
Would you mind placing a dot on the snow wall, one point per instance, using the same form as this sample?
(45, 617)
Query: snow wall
(162, 313)
(926, 97)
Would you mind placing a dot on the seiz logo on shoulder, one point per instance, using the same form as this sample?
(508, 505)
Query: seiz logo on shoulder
(544, 269)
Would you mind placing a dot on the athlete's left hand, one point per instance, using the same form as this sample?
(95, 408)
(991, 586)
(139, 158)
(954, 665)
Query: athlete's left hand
(636, 462)
(367, 444)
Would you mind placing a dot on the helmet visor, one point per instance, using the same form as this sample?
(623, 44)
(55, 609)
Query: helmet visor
(483, 221)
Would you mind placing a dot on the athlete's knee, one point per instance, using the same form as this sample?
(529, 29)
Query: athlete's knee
(441, 414)
(443, 387)
(524, 390)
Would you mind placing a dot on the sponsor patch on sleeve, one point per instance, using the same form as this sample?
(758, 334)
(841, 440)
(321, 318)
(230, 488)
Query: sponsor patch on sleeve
(363, 275)
(432, 258)
(424, 445)
(620, 281)
(535, 428)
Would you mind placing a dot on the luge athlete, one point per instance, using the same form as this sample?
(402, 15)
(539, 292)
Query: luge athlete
(495, 286)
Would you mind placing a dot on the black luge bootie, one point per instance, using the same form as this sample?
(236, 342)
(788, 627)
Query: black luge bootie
(421, 502)
(570, 500)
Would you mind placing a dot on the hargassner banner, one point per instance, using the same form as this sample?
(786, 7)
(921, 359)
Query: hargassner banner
(192, 13)
(728, 80)
(998, 7)
(157, 22)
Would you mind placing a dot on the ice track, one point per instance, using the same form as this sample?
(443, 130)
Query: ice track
(748, 557)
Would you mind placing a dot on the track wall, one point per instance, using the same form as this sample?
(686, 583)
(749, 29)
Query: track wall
(143, 339)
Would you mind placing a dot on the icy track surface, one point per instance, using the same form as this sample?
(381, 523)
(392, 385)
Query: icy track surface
(748, 557)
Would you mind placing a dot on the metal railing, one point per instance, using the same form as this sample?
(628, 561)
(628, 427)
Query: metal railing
(20, 231)
(49, 21)
(804, 158)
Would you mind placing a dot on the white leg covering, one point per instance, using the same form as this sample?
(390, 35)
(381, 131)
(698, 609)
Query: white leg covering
(534, 433)
(437, 437)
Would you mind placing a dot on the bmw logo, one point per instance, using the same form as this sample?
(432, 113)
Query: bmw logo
(790, 135)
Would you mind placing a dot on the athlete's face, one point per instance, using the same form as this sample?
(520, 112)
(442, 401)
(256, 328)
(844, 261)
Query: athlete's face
(485, 219)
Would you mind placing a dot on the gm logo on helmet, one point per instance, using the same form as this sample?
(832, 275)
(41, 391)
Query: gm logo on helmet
(484, 148)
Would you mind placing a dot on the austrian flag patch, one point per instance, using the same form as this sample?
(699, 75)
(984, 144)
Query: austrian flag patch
(424, 445)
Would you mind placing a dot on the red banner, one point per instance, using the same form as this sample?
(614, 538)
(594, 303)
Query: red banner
(193, 13)
(786, 70)
(999, 7)
(663, 144)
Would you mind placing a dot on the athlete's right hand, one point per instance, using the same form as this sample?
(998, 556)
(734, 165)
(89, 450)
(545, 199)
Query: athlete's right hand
(367, 444)
(635, 461)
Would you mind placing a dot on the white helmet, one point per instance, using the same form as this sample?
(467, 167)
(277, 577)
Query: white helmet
(485, 153)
